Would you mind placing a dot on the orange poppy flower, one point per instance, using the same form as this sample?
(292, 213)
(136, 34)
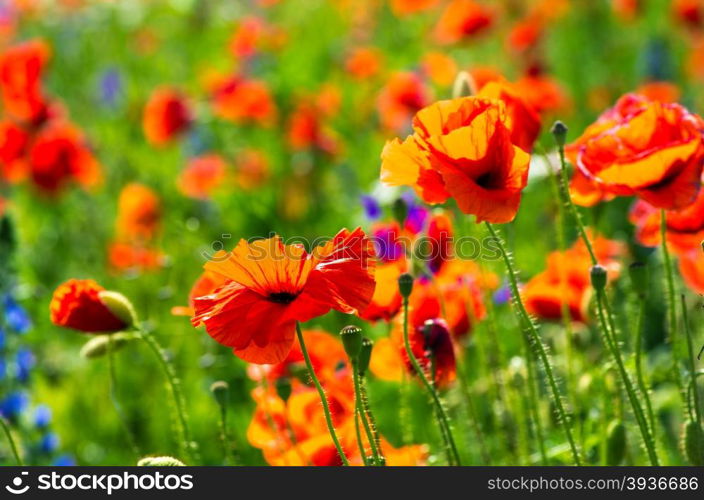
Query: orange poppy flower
(402, 96)
(21, 68)
(626, 9)
(206, 284)
(57, 155)
(567, 280)
(649, 149)
(684, 228)
(139, 213)
(405, 7)
(439, 237)
(440, 68)
(522, 119)
(77, 304)
(689, 12)
(13, 146)
(241, 100)
(364, 62)
(461, 148)
(485, 74)
(665, 92)
(203, 175)
(252, 169)
(691, 266)
(271, 286)
(525, 34)
(462, 19)
(166, 116)
(386, 301)
(247, 37)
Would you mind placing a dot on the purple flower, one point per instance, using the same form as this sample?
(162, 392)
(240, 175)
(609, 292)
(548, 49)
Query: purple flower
(110, 86)
(387, 247)
(502, 295)
(417, 213)
(372, 210)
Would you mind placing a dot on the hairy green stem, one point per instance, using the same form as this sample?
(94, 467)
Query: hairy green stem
(692, 365)
(8, 432)
(640, 376)
(537, 345)
(321, 393)
(362, 414)
(671, 304)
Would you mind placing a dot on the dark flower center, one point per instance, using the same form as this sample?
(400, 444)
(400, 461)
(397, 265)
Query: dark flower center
(282, 297)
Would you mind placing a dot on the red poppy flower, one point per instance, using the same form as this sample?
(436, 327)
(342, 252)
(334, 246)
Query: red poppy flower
(21, 68)
(77, 304)
(402, 96)
(692, 269)
(689, 12)
(58, 154)
(306, 130)
(247, 37)
(241, 100)
(649, 149)
(386, 301)
(684, 229)
(542, 93)
(462, 19)
(13, 147)
(666, 92)
(271, 286)
(567, 280)
(461, 148)
(203, 175)
(525, 34)
(251, 169)
(166, 116)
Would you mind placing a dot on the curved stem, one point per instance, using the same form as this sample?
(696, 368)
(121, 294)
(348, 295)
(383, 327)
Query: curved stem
(362, 415)
(11, 440)
(692, 366)
(443, 419)
(537, 345)
(175, 387)
(321, 393)
(113, 397)
(358, 435)
(671, 305)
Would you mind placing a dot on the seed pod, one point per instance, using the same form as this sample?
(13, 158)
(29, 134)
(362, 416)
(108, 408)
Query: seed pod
(220, 391)
(400, 210)
(352, 341)
(405, 285)
(283, 388)
(559, 131)
(598, 277)
(160, 462)
(615, 442)
(98, 346)
(693, 442)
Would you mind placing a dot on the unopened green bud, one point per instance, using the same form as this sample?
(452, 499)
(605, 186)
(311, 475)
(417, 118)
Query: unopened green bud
(283, 388)
(559, 131)
(400, 210)
(598, 276)
(365, 355)
(160, 462)
(352, 341)
(220, 391)
(120, 306)
(693, 442)
(615, 442)
(99, 346)
(405, 285)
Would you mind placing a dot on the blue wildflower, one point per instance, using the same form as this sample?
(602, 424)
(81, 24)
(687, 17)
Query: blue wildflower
(372, 210)
(15, 316)
(49, 443)
(502, 295)
(25, 362)
(14, 404)
(64, 461)
(42, 416)
(110, 86)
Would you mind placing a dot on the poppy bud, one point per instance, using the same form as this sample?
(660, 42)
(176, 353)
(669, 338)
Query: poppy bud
(693, 442)
(638, 272)
(405, 285)
(119, 305)
(352, 341)
(99, 346)
(615, 442)
(283, 388)
(220, 390)
(160, 462)
(365, 354)
(559, 131)
(598, 277)
(400, 210)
